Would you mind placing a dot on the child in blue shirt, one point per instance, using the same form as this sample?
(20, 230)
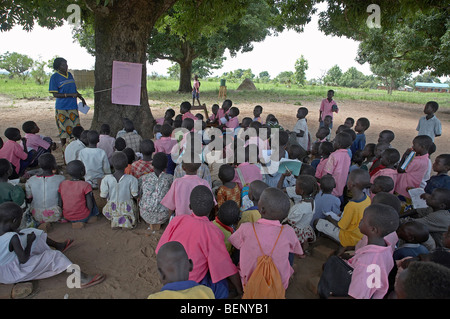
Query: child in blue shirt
(362, 124)
(325, 202)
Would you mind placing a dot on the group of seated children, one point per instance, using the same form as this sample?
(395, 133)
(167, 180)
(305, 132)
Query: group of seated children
(226, 208)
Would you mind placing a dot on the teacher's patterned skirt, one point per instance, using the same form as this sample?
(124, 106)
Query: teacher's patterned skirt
(66, 120)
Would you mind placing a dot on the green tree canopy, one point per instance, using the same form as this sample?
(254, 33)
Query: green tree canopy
(15, 63)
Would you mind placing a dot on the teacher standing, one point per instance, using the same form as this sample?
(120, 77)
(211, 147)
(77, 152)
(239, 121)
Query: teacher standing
(63, 87)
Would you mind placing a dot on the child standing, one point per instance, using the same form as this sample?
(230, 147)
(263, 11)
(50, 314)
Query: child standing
(174, 267)
(15, 153)
(105, 141)
(415, 171)
(362, 125)
(301, 128)
(258, 238)
(301, 214)
(196, 91)
(346, 231)
(77, 200)
(26, 255)
(152, 189)
(339, 162)
(95, 160)
(42, 191)
(327, 107)
(441, 166)
(120, 190)
(204, 244)
(144, 166)
(229, 190)
(73, 148)
(430, 124)
(324, 201)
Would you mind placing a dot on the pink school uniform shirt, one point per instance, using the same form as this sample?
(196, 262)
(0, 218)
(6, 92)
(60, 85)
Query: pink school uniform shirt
(249, 171)
(107, 143)
(205, 246)
(370, 261)
(338, 166)
(413, 175)
(35, 141)
(221, 115)
(177, 198)
(188, 114)
(165, 144)
(267, 230)
(13, 152)
(326, 108)
(233, 122)
(160, 120)
(321, 167)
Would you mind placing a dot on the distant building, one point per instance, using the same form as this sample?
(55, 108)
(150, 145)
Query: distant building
(432, 87)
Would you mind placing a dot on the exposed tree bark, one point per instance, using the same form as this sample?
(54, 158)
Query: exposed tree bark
(121, 34)
(186, 67)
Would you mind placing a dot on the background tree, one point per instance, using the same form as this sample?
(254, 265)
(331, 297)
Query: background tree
(352, 78)
(285, 77)
(333, 76)
(16, 64)
(390, 73)
(301, 65)
(264, 77)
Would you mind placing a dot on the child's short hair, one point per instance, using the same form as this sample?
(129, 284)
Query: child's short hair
(5, 167)
(389, 135)
(383, 217)
(283, 138)
(443, 194)
(76, 131)
(360, 177)
(226, 173)
(364, 122)
(9, 211)
(128, 125)
(47, 161)
(120, 144)
(170, 112)
(434, 105)
(147, 147)
(351, 120)
(215, 106)
(418, 231)
(131, 155)
(343, 140)
(432, 149)
(326, 148)
(322, 132)
(392, 155)
(119, 160)
(93, 137)
(75, 168)
(105, 129)
(357, 157)
(28, 126)
(258, 107)
(297, 152)
(246, 121)
(308, 184)
(188, 123)
(227, 103)
(201, 200)
(340, 129)
(12, 133)
(234, 111)
(57, 63)
(327, 183)
(166, 130)
(160, 161)
(388, 199)
(185, 106)
(276, 203)
(445, 158)
(351, 132)
(419, 280)
(156, 128)
(369, 148)
(307, 169)
(228, 213)
(384, 183)
(199, 116)
(303, 111)
(256, 188)
(424, 140)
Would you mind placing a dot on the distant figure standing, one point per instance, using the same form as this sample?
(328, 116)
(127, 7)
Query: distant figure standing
(328, 107)
(63, 87)
(196, 91)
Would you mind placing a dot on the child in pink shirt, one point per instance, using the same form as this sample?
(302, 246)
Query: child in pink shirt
(166, 142)
(105, 141)
(177, 198)
(339, 162)
(37, 144)
(372, 263)
(185, 109)
(389, 159)
(204, 243)
(325, 149)
(233, 120)
(223, 112)
(415, 171)
(274, 207)
(15, 153)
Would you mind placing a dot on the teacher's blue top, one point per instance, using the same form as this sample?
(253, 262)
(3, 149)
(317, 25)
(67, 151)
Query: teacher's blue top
(60, 83)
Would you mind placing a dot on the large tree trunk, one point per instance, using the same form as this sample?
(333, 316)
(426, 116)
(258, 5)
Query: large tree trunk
(186, 68)
(122, 31)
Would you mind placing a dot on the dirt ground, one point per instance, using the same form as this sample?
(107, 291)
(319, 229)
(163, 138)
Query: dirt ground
(128, 258)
